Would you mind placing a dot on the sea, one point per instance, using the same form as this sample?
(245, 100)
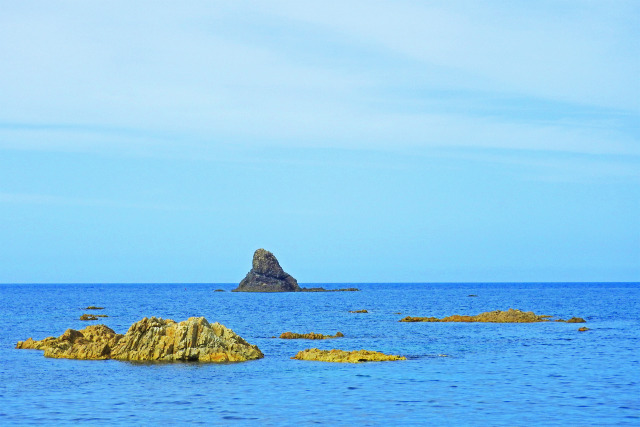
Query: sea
(476, 374)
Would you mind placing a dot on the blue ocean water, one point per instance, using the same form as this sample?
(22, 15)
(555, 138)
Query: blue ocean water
(456, 373)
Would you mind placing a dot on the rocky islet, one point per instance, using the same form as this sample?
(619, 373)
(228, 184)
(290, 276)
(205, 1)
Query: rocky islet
(92, 316)
(341, 356)
(309, 336)
(266, 275)
(150, 339)
(497, 316)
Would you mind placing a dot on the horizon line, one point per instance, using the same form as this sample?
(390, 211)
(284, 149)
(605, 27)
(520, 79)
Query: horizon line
(329, 283)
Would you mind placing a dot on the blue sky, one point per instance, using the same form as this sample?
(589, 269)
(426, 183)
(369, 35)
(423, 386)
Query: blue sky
(360, 141)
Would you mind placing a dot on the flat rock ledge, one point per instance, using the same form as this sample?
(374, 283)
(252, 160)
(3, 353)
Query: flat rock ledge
(150, 339)
(309, 336)
(497, 316)
(340, 356)
(92, 316)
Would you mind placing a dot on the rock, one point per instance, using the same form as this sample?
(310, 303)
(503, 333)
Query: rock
(193, 339)
(151, 339)
(472, 295)
(93, 342)
(91, 307)
(92, 316)
(572, 320)
(584, 329)
(341, 356)
(267, 276)
(309, 336)
(219, 290)
(358, 311)
(497, 316)
(419, 319)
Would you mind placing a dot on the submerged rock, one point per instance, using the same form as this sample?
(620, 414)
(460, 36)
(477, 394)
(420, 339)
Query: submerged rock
(358, 311)
(151, 339)
(266, 275)
(584, 329)
(309, 336)
(92, 307)
(341, 356)
(497, 316)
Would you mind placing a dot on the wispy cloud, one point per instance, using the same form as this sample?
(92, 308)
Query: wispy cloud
(140, 78)
(47, 199)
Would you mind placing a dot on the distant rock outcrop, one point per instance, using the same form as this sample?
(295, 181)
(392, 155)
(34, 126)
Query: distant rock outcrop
(497, 316)
(341, 356)
(92, 316)
(309, 336)
(574, 320)
(267, 276)
(150, 339)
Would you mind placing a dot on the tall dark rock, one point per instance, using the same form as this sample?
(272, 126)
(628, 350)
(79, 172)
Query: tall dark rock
(267, 276)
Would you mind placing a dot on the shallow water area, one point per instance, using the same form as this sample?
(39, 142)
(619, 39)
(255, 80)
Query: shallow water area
(456, 373)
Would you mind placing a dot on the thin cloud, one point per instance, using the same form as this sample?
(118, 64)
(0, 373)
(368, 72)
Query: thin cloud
(141, 78)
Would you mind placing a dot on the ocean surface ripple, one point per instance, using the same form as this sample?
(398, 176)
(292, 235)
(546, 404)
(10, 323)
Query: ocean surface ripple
(456, 373)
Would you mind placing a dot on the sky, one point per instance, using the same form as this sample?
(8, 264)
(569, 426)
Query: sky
(359, 141)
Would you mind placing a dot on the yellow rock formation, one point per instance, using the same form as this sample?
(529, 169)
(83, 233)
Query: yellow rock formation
(497, 316)
(309, 336)
(151, 339)
(341, 356)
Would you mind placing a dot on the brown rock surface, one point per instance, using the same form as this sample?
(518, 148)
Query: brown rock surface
(497, 316)
(358, 311)
(309, 336)
(341, 356)
(151, 339)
